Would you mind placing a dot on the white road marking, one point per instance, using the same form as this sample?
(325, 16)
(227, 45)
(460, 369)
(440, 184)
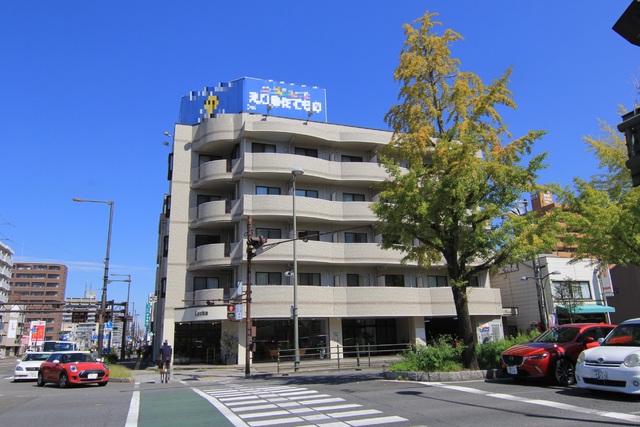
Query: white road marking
(547, 403)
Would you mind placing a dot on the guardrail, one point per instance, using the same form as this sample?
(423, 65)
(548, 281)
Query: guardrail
(340, 357)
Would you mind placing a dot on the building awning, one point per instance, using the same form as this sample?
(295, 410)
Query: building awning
(589, 308)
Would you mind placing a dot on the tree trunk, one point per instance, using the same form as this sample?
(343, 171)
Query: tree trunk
(465, 329)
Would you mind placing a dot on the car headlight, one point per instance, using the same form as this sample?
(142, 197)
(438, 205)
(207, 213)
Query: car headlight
(538, 356)
(73, 368)
(632, 361)
(581, 357)
(106, 368)
(19, 368)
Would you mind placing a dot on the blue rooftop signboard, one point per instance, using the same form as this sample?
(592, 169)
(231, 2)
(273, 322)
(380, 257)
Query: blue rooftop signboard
(249, 95)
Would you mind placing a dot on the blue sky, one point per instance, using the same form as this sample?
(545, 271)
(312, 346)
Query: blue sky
(87, 89)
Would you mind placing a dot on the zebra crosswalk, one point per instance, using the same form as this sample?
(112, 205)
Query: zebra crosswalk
(292, 407)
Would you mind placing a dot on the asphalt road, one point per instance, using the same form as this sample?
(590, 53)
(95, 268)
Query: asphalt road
(337, 399)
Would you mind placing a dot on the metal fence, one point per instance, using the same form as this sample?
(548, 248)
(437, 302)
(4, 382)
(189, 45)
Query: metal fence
(355, 357)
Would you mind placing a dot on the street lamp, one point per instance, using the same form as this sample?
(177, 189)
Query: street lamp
(126, 314)
(103, 301)
(295, 172)
(542, 299)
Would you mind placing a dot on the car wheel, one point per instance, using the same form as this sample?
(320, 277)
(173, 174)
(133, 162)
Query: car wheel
(102, 384)
(564, 372)
(40, 380)
(63, 381)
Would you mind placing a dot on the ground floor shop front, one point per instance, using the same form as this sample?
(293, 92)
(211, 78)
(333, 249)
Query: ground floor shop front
(224, 342)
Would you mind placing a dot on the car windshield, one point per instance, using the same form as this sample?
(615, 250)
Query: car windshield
(35, 356)
(558, 334)
(624, 335)
(71, 357)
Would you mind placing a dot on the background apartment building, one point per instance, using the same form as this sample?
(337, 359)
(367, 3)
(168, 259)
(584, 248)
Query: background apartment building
(11, 318)
(40, 289)
(234, 150)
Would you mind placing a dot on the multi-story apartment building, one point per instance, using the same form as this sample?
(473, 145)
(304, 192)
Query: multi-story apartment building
(234, 149)
(11, 317)
(40, 289)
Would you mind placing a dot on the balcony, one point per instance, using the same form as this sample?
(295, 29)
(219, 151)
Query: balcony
(211, 172)
(324, 301)
(308, 207)
(215, 255)
(200, 297)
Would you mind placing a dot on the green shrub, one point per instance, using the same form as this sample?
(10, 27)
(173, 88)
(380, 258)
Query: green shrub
(445, 354)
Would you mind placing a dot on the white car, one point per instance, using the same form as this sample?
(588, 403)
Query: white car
(27, 368)
(615, 364)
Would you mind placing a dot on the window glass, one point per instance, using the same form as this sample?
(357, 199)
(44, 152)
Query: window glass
(350, 197)
(437, 281)
(257, 147)
(394, 280)
(311, 279)
(261, 190)
(355, 237)
(268, 278)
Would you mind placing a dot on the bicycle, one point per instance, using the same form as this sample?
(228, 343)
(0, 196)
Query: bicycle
(165, 371)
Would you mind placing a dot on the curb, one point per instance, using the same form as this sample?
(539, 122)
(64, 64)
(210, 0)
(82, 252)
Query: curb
(489, 374)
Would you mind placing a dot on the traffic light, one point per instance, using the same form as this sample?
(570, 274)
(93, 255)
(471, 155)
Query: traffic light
(231, 312)
(253, 244)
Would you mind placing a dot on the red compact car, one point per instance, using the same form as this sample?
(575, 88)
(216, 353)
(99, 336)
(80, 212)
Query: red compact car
(67, 368)
(553, 354)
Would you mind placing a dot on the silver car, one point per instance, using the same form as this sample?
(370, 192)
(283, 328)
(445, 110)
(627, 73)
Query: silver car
(27, 368)
(615, 364)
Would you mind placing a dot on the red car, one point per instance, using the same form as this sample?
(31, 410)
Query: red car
(67, 368)
(553, 354)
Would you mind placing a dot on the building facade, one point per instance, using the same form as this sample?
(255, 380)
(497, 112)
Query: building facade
(11, 317)
(79, 320)
(231, 165)
(40, 289)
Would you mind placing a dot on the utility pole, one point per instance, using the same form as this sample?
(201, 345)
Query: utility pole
(249, 338)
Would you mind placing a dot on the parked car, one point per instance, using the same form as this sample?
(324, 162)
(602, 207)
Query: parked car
(615, 364)
(67, 368)
(553, 354)
(27, 367)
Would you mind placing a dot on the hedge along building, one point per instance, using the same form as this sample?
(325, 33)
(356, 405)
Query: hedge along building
(234, 149)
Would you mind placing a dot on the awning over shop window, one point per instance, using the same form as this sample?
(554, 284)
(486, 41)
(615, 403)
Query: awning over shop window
(589, 308)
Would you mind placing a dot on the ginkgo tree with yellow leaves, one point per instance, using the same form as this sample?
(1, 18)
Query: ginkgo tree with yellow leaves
(455, 172)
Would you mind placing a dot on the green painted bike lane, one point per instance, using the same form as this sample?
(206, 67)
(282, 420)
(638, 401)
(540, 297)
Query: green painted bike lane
(178, 407)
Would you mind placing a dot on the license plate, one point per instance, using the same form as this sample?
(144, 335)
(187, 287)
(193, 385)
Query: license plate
(92, 376)
(600, 375)
(512, 370)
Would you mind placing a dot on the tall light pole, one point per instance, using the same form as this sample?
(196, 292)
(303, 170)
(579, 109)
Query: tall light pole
(542, 300)
(296, 171)
(123, 343)
(103, 301)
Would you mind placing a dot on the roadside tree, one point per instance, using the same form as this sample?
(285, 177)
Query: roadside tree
(453, 181)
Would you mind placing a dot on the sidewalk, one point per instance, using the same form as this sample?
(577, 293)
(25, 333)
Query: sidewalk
(145, 373)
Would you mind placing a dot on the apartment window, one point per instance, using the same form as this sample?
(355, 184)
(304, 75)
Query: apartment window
(202, 239)
(40, 267)
(165, 246)
(202, 198)
(55, 267)
(36, 293)
(52, 285)
(268, 278)
(257, 147)
(394, 280)
(345, 158)
(53, 276)
(437, 281)
(353, 280)
(261, 190)
(355, 237)
(37, 285)
(38, 276)
(200, 283)
(309, 279)
(474, 282)
(351, 197)
(205, 158)
(579, 288)
(309, 152)
(23, 276)
(309, 235)
(307, 193)
(51, 293)
(269, 233)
